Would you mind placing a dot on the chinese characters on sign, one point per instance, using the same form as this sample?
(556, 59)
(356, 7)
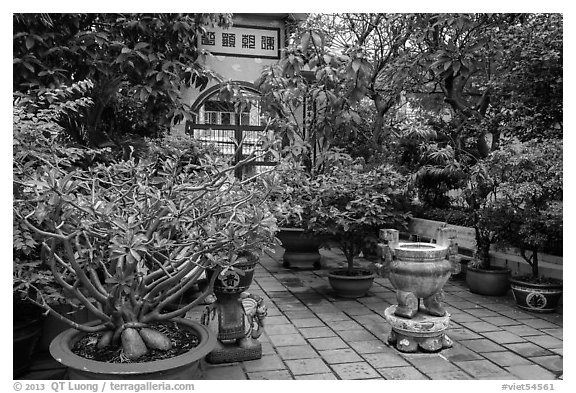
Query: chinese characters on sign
(248, 41)
(209, 38)
(243, 41)
(229, 40)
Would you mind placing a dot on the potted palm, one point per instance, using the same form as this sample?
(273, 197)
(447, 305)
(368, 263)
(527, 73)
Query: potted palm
(350, 203)
(124, 240)
(529, 215)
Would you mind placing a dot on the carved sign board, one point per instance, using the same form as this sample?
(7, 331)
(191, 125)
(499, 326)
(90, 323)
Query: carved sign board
(242, 41)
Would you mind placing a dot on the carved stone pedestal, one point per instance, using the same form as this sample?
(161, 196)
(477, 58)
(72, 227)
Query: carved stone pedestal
(421, 332)
(234, 352)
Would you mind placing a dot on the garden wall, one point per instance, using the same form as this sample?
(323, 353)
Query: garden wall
(550, 265)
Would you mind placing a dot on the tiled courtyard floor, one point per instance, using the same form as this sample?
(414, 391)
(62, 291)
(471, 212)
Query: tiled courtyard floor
(311, 334)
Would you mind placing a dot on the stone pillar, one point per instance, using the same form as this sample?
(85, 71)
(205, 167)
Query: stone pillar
(390, 238)
(447, 237)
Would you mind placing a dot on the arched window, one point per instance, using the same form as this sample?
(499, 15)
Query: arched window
(226, 125)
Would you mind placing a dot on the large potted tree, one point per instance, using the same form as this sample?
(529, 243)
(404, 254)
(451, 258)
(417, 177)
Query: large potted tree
(124, 240)
(529, 215)
(351, 202)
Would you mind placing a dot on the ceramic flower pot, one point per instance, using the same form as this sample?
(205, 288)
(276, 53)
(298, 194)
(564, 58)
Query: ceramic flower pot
(26, 334)
(535, 297)
(184, 366)
(489, 282)
(301, 248)
(351, 286)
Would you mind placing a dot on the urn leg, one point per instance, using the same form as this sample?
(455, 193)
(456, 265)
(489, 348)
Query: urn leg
(392, 337)
(434, 305)
(447, 342)
(431, 344)
(406, 343)
(407, 304)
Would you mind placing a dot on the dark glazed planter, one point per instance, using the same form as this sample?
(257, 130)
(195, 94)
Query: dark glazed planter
(351, 286)
(301, 248)
(185, 366)
(489, 282)
(542, 298)
(26, 335)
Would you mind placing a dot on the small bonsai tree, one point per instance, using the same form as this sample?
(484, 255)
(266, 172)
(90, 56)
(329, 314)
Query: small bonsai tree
(351, 202)
(125, 239)
(527, 208)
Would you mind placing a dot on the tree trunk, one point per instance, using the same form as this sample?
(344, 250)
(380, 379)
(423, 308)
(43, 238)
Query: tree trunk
(535, 272)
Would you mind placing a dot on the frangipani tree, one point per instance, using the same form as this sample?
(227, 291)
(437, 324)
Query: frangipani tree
(126, 239)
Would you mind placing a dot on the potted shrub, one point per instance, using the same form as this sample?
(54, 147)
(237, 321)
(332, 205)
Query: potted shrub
(481, 277)
(291, 201)
(529, 215)
(125, 239)
(350, 203)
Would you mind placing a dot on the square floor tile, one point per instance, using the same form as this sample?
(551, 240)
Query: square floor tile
(345, 325)
(297, 352)
(307, 322)
(545, 341)
(316, 332)
(482, 345)
(265, 363)
(224, 373)
(402, 373)
(538, 323)
(335, 316)
(270, 375)
(322, 344)
(503, 337)
(299, 314)
(531, 372)
(385, 359)
(432, 364)
(458, 334)
(267, 348)
(459, 353)
(370, 346)
(283, 340)
(358, 370)
(558, 332)
(334, 356)
(276, 320)
(481, 312)
(552, 363)
(307, 366)
(523, 330)
(280, 329)
(355, 335)
(481, 368)
(506, 358)
(450, 375)
(325, 376)
(463, 317)
(500, 321)
(528, 349)
(480, 327)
